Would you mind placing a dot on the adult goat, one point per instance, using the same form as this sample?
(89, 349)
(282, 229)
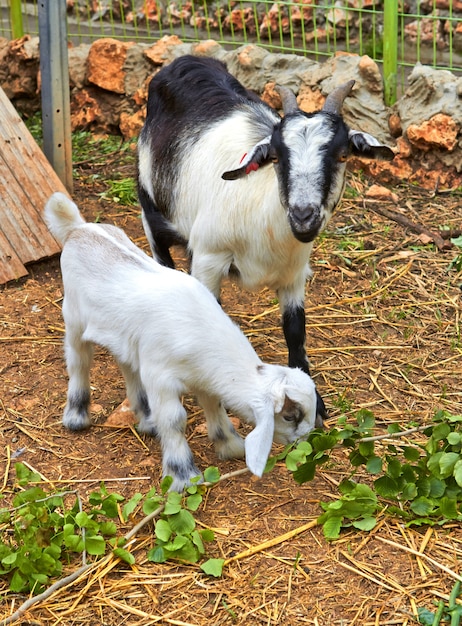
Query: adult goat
(204, 133)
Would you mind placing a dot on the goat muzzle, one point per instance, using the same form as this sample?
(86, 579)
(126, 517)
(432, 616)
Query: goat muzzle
(305, 222)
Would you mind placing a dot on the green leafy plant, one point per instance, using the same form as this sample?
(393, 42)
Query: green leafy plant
(43, 530)
(87, 147)
(452, 611)
(34, 125)
(121, 190)
(176, 534)
(357, 507)
(456, 263)
(420, 483)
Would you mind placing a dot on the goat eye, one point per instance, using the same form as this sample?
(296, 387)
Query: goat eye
(274, 158)
(342, 157)
(289, 418)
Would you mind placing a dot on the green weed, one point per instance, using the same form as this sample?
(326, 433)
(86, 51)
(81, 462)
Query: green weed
(456, 263)
(419, 483)
(124, 191)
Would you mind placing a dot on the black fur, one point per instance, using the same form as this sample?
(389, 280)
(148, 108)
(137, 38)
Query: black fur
(182, 469)
(142, 405)
(80, 402)
(197, 86)
(186, 96)
(293, 324)
(165, 235)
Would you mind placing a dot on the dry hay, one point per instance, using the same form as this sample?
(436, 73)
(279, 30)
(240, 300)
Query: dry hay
(383, 333)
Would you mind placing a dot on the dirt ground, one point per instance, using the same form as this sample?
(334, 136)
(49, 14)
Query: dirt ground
(383, 333)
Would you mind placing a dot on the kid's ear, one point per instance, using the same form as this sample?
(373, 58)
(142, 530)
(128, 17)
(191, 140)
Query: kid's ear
(258, 444)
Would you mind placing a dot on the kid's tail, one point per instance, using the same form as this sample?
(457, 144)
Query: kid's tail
(62, 216)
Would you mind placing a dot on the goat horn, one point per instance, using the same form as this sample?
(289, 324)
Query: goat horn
(288, 99)
(334, 100)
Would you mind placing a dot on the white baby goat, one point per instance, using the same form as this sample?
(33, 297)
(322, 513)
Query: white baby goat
(169, 336)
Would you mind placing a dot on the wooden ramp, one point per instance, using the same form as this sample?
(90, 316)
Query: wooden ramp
(26, 182)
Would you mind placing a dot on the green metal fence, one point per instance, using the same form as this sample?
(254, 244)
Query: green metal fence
(429, 32)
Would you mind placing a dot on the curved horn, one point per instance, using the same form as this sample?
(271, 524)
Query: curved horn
(334, 100)
(288, 99)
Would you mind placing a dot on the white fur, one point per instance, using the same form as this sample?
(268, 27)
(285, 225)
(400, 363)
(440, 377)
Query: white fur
(249, 230)
(169, 336)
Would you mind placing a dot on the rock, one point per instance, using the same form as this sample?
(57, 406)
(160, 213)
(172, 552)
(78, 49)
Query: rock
(319, 35)
(163, 50)
(387, 172)
(310, 100)
(136, 69)
(207, 48)
(20, 68)
(121, 417)
(432, 99)
(92, 109)
(78, 57)
(338, 16)
(394, 125)
(245, 63)
(271, 96)
(457, 37)
(378, 192)
(428, 5)
(440, 132)
(85, 109)
(106, 61)
(423, 31)
(303, 13)
(364, 108)
(370, 73)
(109, 84)
(274, 20)
(404, 148)
(430, 92)
(240, 19)
(130, 124)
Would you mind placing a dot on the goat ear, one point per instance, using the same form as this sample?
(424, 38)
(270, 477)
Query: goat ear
(258, 156)
(281, 401)
(258, 442)
(365, 145)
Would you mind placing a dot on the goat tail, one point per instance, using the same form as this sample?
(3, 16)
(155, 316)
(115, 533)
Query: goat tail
(62, 216)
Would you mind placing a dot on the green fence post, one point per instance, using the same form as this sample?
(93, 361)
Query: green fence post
(17, 29)
(390, 50)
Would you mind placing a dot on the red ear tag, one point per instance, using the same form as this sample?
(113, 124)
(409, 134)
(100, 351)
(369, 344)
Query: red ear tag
(243, 157)
(251, 167)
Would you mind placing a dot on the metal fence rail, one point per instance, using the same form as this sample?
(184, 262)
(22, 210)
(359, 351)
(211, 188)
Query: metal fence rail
(429, 32)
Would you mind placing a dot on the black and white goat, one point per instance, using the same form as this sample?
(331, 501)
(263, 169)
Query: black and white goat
(169, 336)
(204, 134)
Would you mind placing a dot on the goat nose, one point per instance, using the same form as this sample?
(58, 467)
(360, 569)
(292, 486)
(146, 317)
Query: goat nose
(303, 213)
(305, 221)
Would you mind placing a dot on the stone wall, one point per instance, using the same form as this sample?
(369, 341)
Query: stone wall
(109, 81)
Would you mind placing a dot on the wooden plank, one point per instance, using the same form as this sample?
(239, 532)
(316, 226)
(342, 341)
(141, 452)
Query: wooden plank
(26, 182)
(15, 225)
(11, 266)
